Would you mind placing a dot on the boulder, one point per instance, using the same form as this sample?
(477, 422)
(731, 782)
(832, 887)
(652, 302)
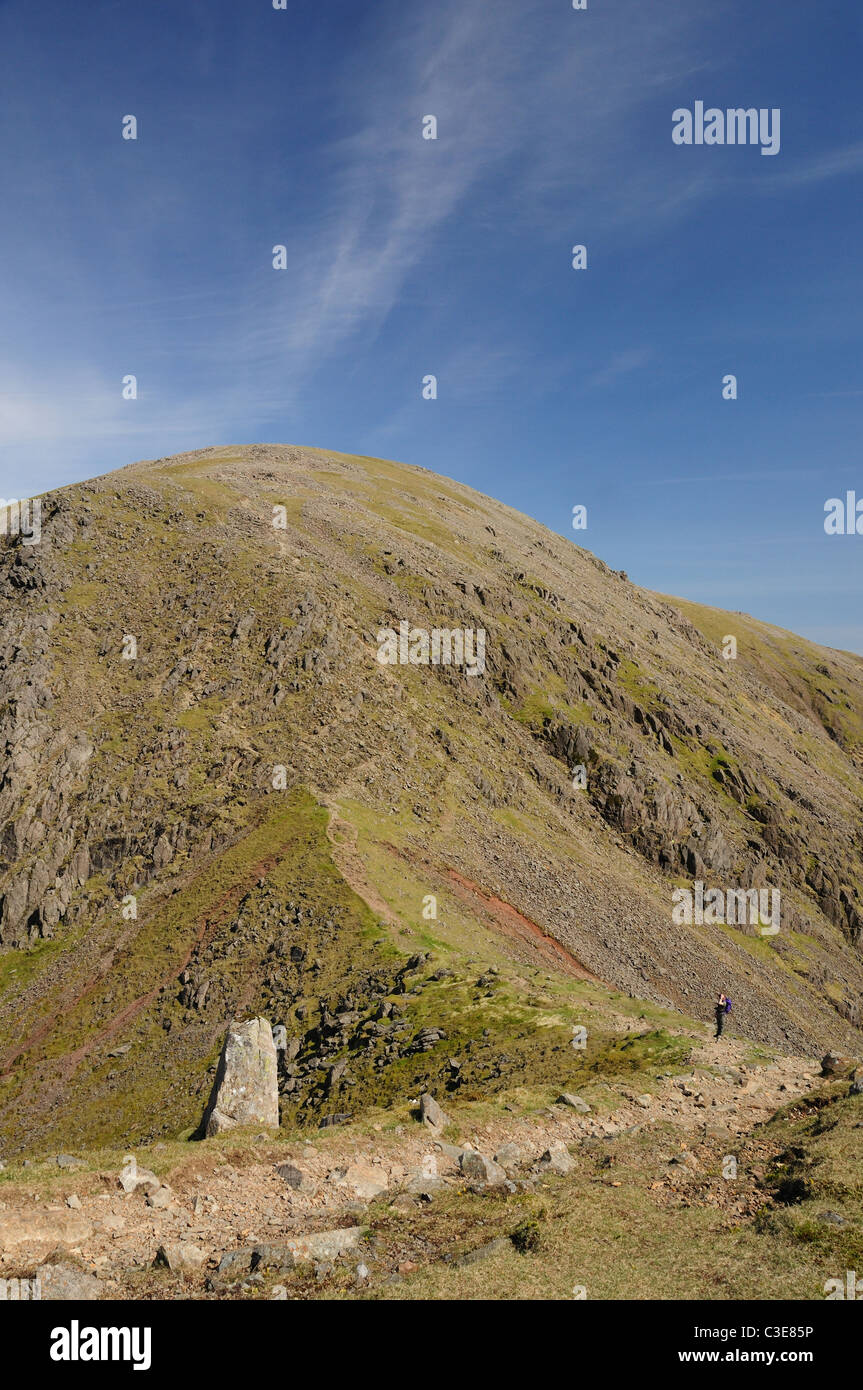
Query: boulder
(271, 1257)
(297, 1177)
(832, 1064)
(133, 1179)
(557, 1159)
(246, 1090)
(431, 1114)
(574, 1102)
(480, 1169)
(161, 1199)
(831, 1218)
(453, 1151)
(181, 1256)
(484, 1252)
(364, 1180)
(318, 1245)
(404, 1202)
(237, 1262)
(61, 1283)
(422, 1183)
(685, 1160)
(509, 1156)
(324, 1245)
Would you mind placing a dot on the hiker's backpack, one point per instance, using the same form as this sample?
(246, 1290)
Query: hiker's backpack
(728, 1006)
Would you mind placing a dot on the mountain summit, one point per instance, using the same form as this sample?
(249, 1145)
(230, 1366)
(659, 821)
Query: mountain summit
(280, 726)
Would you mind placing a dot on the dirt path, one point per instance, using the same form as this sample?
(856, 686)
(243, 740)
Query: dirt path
(223, 1200)
(500, 916)
(343, 837)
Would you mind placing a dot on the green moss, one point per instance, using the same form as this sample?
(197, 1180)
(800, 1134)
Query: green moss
(637, 683)
(203, 715)
(19, 967)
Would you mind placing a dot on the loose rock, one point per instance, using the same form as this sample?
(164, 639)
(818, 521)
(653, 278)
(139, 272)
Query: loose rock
(60, 1283)
(180, 1256)
(481, 1170)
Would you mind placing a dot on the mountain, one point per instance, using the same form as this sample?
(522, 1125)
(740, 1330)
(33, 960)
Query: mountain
(217, 800)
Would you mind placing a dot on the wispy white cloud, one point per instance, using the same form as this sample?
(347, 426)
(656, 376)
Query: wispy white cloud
(620, 364)
(829, 165)
(536, 111)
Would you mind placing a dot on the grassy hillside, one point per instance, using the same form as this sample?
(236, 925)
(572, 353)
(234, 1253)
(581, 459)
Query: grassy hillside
(215, 800)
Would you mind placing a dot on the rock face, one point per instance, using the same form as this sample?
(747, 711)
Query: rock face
(246, 1089)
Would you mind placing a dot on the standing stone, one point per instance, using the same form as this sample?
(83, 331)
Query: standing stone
(246, 1086)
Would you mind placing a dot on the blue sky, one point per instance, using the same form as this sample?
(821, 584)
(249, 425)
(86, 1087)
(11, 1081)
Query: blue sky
(406, 256)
